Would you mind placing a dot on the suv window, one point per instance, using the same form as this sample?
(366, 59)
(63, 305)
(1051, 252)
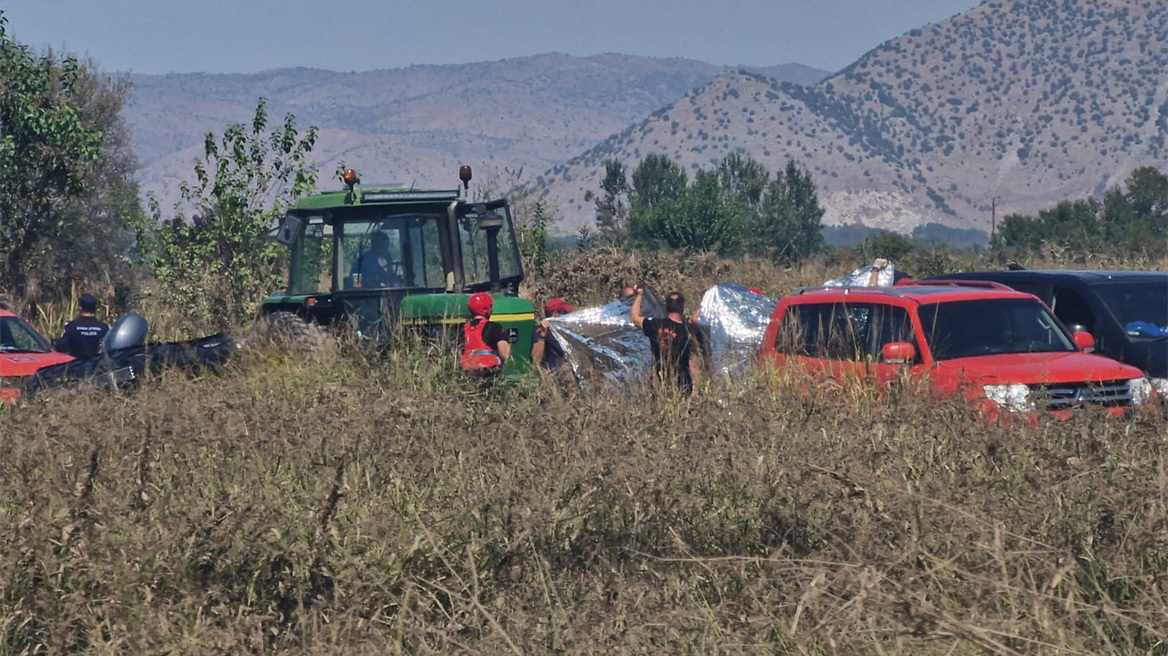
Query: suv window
(990, 326)
(842, 331)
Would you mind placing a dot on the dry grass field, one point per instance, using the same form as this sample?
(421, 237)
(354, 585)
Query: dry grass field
(355, 504)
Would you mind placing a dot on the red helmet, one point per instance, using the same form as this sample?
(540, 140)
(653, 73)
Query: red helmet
(480, 304)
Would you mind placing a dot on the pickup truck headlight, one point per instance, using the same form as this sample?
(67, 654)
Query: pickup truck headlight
(1141, 390)
(1015, 398)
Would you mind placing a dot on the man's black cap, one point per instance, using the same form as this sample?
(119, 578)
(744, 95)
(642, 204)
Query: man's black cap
(87, 303)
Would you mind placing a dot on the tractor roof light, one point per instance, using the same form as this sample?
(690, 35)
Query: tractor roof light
(350, 178)
(464, 174)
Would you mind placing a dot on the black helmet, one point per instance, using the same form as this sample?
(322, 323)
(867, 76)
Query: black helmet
(128, 332)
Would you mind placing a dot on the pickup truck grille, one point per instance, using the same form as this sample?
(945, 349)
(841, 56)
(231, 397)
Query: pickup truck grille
(1061, 396)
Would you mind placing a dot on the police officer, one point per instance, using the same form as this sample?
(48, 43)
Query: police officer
(485, 345)
(82, 336)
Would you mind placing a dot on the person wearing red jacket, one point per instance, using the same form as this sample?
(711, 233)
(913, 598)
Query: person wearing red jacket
(485, 345)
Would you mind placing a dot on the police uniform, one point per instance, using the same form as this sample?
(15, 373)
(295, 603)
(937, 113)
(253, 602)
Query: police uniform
(82, 337)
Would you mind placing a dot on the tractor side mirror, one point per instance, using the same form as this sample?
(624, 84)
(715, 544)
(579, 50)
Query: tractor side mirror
(289, 228)
(1085, 341)
(898, 353)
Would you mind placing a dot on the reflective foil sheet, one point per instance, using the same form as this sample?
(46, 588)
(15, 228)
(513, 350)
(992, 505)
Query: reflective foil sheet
(600, 343)
(734, 320)
(862, 277)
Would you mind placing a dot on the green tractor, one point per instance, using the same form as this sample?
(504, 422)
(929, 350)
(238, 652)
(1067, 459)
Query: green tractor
(379, 256)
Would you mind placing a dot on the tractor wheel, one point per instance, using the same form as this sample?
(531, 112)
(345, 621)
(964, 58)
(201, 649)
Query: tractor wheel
(288, 330)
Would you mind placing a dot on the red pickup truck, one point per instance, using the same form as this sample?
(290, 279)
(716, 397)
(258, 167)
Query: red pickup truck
(998, 348)
(22, 352)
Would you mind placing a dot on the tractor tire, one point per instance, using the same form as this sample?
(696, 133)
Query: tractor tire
(288, 330)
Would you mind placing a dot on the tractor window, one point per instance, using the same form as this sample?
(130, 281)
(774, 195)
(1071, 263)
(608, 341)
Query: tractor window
(312, 270)
(395, 252)
(474, 247)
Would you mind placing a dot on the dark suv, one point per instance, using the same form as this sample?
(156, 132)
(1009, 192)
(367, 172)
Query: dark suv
(1126, 311)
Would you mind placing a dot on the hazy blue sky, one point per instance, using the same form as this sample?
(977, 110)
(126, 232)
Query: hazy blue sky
(159, 36)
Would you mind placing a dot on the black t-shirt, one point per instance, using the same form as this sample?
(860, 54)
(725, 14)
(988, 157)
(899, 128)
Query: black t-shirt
(493, 333)
(553, 353)
(82, 337)
(673, 345)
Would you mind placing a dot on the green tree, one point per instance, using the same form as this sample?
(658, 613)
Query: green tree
(47, 151)
(100, 223)
(532, 233)
(790, 219)
(655, 180)
(217, 266)
(745, 180)
(612, 211)
(701, 218)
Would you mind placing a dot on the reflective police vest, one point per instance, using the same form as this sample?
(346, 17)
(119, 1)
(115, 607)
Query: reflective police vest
(477, 355)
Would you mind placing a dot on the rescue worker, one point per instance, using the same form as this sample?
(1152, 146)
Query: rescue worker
(676, 351)
(485, 345)
(546, 352)
(82, 336)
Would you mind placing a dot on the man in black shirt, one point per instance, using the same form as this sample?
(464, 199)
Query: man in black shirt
(82, 336)
(675, 349)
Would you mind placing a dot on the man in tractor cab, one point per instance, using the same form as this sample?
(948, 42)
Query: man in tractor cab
(376, 265)
(485, 346)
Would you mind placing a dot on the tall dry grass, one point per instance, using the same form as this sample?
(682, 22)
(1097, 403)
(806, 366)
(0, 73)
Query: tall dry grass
(381, 504)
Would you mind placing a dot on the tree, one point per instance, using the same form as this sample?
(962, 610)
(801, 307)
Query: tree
(217, 266)
(701, 218)
(532, 234)
(102, 220)
(612, 212)
(743, 179)
(655, 180)
(789, 222)
(47, 150)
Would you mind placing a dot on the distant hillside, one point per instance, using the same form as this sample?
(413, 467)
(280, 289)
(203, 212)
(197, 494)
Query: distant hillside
(420, 123)
(1030, 101)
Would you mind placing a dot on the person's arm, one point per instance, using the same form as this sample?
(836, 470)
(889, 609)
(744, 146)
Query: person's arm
(539, 343)
(635, 315)
(504, 349)
(695, 372)
(695, 317)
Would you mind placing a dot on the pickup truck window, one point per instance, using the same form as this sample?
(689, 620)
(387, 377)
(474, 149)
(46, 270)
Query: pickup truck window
(839, 331)
(992, 326)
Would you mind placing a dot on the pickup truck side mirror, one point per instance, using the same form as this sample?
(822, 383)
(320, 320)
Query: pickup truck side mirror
(898, 353)
(1084, 341)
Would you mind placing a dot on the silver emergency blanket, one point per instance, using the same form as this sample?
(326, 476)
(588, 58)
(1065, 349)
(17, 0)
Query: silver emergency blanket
(734, 319)
(600, 343)
(862, 277)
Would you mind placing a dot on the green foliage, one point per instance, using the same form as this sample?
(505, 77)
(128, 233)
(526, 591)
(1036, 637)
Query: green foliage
(47, 150)
(612, 212)
(701, 218)
(217, 266)
(1132, 220)
(532, 234)
(656, 179)
(736, 207)
(789, 222)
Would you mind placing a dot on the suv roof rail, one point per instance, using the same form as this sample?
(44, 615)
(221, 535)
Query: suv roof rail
(981, 284)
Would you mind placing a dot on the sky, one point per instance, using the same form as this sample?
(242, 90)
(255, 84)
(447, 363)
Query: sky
(244, 36)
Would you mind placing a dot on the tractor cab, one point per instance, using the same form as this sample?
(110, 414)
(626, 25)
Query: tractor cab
(382, 254)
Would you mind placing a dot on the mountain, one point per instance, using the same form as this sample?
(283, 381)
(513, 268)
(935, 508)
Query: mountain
(420, 123)
(1028, 101)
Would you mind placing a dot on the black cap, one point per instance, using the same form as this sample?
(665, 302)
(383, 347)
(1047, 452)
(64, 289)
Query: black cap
(87, 303)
